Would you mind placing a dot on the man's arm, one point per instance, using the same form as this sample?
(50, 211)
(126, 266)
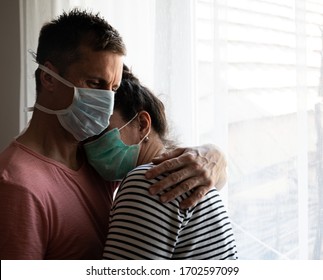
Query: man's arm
(199, 168)
(22, 234)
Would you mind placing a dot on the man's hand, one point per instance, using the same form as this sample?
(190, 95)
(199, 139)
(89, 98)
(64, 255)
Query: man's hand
(199, 168)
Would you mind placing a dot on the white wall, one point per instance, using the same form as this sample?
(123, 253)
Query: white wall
(9, 71)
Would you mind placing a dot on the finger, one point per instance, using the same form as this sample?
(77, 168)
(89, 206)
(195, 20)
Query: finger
(173, 164)
(171, 180)
(195, 197)
(181, 188)
(164, 167)
(168, 155)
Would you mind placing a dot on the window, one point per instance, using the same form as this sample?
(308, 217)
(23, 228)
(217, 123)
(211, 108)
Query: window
(247, 76)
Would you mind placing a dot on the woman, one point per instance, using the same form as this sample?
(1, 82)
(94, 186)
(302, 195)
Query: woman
(141, 227)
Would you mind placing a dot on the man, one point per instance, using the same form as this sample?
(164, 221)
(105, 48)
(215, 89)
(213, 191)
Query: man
(53, 205)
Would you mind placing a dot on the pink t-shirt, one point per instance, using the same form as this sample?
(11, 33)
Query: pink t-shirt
(48, 211)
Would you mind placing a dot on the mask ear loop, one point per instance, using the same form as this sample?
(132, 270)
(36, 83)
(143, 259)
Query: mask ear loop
(145, 138)
(50, 72)
(128, 122)
(33, 54)
(55, 75)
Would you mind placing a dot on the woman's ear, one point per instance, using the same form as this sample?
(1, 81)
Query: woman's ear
(144, 123)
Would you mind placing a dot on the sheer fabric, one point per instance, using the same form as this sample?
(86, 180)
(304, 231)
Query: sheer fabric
(245, 75)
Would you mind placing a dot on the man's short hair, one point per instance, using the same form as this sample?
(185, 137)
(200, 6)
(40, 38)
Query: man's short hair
(60, 40)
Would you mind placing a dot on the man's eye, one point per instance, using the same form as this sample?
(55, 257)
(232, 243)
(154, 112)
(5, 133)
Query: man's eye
(93, 84)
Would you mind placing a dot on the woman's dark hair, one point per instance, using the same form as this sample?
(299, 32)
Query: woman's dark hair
(132, 97)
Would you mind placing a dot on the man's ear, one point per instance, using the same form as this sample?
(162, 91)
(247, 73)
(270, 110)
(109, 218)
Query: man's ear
(47, 81)
(144, 123)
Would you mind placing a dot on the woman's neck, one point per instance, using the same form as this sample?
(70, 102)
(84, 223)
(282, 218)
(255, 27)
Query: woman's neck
(149, 149)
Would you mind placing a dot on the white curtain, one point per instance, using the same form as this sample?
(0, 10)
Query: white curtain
(243, 74)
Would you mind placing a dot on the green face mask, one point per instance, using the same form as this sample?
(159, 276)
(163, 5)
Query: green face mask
(110, 157)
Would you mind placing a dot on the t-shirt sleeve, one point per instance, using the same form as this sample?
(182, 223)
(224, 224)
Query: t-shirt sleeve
(140, 226)
(22, 224)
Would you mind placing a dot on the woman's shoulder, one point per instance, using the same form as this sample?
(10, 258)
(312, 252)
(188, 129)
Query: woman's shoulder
(142, 168)
(135, 181)
(138, 174)
(135, 187)
(133, 193)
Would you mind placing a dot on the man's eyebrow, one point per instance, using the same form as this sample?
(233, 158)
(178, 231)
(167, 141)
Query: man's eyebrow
(105, 83)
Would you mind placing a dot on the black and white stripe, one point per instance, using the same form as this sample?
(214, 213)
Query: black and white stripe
(141, 227)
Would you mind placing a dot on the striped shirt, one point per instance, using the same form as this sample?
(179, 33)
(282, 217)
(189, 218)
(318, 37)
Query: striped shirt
(141, 227)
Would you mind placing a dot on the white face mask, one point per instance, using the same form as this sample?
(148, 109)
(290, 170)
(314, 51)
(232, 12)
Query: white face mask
(89, 113)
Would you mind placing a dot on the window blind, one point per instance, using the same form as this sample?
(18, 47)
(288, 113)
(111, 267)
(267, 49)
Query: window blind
(259, 71)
